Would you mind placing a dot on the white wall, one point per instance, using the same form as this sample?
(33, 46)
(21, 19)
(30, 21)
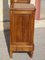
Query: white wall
(33, 2)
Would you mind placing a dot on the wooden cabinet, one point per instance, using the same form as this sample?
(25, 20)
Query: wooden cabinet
(22, 29)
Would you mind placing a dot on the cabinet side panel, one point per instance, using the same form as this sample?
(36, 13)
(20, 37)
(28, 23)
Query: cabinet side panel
(25, 30)
(18, 28)
(32, 28)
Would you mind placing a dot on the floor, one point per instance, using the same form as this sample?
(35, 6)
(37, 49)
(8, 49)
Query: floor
(39, 51)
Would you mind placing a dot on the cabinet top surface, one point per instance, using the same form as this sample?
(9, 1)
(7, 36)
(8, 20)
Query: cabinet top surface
(23, 6)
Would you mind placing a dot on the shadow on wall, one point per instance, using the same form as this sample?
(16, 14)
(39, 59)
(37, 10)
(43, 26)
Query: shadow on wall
(5, 19)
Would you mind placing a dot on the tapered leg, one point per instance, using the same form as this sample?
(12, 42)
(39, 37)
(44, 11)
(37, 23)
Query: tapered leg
(10, 52)
(30, 54)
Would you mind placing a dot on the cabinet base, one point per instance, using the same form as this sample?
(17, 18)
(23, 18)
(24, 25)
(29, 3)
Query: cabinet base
(22, 48)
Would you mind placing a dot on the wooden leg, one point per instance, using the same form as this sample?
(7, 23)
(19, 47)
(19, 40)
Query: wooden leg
(30, 54)
(10, 52)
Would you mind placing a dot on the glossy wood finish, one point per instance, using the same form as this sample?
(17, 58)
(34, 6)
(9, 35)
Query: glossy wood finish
(22, 29)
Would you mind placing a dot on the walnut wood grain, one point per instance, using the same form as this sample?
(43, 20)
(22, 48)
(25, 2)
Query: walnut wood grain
(21, 30)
